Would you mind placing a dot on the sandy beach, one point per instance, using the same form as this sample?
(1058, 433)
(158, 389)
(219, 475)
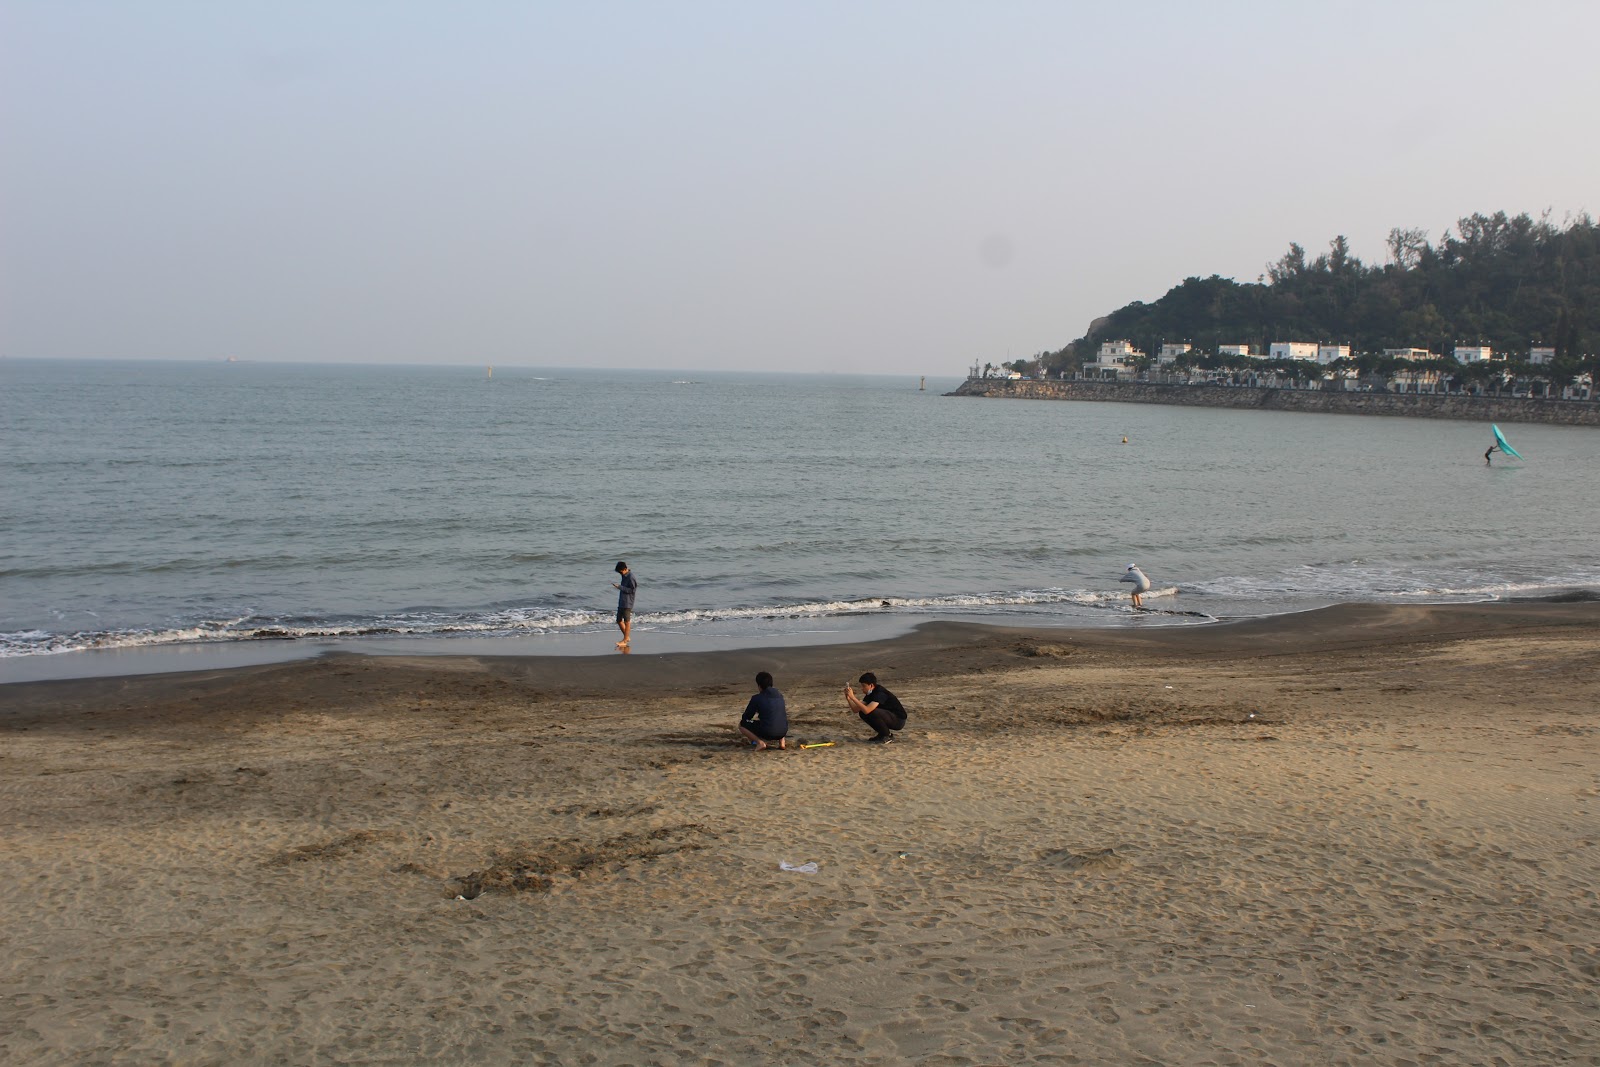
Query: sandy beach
(1357, 835)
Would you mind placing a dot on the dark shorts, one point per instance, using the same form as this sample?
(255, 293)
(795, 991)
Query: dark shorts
(624, 614)
(882, 720)
(762, 733)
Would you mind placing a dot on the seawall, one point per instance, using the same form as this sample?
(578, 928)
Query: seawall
(1329, 401)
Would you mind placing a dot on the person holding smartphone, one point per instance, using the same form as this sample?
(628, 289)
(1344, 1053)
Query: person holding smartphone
(625, 591)
(878, 708)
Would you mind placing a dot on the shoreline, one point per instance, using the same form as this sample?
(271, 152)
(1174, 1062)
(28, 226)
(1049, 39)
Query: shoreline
(1543, 410)
(1358, 834)
(842, 631)
(937, 647)
(224, 655)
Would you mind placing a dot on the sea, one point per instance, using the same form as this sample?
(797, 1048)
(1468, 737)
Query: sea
(185, 515)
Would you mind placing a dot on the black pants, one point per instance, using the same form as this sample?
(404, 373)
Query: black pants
(882, 720)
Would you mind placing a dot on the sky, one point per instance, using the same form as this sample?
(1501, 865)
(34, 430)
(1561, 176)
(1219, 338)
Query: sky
(858, 186)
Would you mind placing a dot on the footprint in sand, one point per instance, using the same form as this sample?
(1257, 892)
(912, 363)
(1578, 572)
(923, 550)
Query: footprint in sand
(1099, 859)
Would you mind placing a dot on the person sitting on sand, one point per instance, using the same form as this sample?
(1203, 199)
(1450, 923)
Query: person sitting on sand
(878, 708)
(765, 718)
(1141, 584)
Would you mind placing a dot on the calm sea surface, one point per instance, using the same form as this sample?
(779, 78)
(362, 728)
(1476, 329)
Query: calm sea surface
(188, 505)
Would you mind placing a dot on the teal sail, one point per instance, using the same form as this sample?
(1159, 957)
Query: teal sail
(1500, 439)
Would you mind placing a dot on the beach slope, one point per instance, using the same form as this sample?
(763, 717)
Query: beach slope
(1364, 834)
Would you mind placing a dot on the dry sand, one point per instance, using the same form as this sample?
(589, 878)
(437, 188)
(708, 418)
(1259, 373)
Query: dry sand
(1083, 851)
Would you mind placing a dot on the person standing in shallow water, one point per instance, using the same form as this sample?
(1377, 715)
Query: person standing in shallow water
(765, 719)
(625, 591)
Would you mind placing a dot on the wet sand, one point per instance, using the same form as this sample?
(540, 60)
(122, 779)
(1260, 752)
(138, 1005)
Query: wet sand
(1362, 834)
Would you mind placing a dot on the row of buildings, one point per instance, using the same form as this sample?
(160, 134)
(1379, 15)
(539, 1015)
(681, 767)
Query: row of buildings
(1116, 359)
(1119, 357)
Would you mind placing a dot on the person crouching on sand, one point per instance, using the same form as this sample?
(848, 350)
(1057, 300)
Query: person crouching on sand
(765, 718)
(878, 708)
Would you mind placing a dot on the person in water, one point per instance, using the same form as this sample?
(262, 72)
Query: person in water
(1491, 450)
(626, 588)
(1141, 584)
(766, 719)
(878, 708)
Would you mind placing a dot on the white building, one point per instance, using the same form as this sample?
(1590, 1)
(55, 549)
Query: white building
(1235, 350)
(1170, 353)
(1473, 353)
(1330, 353)
(1409, 353)
(1416, 381)
(1539, 355)
(1292, 350)
(1114, 356)
(1114, 352)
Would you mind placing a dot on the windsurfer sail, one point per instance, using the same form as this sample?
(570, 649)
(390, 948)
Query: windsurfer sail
(1504, 445)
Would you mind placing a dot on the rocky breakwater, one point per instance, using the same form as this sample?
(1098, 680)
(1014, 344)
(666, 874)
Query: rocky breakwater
(1327, 401)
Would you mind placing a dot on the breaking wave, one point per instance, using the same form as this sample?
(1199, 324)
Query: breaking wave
(532, 621)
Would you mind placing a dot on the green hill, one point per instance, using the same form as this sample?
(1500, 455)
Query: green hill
(1509, 282)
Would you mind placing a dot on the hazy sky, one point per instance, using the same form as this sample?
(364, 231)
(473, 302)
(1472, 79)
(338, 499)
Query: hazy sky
(894, 187)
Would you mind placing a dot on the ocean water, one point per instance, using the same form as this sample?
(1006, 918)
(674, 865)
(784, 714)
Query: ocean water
(294, 507)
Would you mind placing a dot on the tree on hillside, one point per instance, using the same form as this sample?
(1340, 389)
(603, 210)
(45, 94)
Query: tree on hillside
(1513, 281)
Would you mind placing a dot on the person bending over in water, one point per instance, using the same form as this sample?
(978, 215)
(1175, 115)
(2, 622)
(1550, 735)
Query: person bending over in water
(1491, 450)
(765, 720)
(878, 708)
(1141, 584)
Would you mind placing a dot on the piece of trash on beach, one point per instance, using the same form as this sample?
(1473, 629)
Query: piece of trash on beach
(1167, 687)
(801, 868)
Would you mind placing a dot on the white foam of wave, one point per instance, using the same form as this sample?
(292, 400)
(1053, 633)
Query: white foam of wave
(40, 642)
(1342, 581)
(518, 622)
(1358, 580)
(875, 604)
